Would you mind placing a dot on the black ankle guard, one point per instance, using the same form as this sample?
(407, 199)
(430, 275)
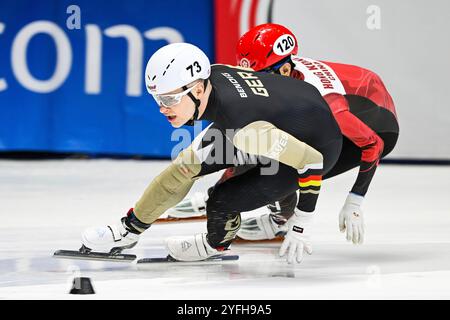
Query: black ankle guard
(133, 224)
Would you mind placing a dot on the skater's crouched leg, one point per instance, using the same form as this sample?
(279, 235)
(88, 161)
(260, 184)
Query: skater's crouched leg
(166, 190)
(222, 227)
(169, 188)
(247, 192)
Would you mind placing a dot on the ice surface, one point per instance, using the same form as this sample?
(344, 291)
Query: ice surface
(45, 205)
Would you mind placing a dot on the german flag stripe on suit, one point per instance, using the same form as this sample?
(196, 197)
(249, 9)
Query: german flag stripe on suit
(310, 181)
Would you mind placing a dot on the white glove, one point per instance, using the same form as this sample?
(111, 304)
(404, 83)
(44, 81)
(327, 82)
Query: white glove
(351, 218)
(298, 236)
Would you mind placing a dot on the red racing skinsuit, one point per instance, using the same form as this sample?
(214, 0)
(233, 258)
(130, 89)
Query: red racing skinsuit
(343, 86)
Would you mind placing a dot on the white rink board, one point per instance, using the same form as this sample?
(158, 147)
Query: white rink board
(407, 51)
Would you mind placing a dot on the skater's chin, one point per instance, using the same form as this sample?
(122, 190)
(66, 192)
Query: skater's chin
(176, 123)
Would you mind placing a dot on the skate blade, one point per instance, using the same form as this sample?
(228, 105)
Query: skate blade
(94, 256)
(171, 261)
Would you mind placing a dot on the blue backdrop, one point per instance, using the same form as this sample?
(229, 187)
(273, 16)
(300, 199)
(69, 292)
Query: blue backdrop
(95, 102)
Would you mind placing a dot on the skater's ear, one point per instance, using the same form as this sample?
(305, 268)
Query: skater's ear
(286, 69)
(200, 89)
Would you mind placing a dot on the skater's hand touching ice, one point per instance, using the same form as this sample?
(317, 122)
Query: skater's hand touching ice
(297, 239)
(351, 219)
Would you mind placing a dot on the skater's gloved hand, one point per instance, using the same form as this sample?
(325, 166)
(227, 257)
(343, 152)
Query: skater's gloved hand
(351, 219)
(297, 239)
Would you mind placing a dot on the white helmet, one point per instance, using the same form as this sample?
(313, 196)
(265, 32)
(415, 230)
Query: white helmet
(174, 66)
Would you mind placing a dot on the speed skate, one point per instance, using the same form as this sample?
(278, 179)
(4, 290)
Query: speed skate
(85, 253)
(170, 259)
(116, 256)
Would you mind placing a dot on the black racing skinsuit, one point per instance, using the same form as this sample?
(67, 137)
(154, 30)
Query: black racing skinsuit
(241, 97)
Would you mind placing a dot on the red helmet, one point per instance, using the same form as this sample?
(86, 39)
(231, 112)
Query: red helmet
(265, 45)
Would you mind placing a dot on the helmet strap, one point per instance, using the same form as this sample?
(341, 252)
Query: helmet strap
(196, 102)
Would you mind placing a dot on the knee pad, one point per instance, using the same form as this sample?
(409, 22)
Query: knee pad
(262, 138)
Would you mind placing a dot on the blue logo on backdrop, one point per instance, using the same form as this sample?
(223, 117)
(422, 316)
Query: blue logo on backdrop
(72, 76)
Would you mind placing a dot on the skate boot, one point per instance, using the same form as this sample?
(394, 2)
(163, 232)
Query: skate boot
(190, 207)
(264, 227)
(114, 238)
(192, 248)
